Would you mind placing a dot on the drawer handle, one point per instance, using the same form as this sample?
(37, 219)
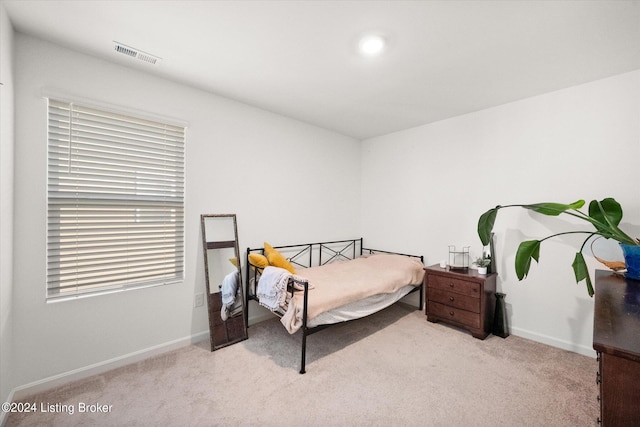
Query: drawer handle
(451, 298)
(598, 378)
(451, 285)
(451, 313)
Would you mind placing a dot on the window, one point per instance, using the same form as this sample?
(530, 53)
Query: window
(115, 201)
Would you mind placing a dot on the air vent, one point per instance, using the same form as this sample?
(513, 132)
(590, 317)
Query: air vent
(136, 53)
(147, 58)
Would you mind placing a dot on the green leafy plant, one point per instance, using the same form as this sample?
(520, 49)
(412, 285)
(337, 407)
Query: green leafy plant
(483, 262)
(604, 215)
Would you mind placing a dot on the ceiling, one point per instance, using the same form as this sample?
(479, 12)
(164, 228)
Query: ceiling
(299, 58)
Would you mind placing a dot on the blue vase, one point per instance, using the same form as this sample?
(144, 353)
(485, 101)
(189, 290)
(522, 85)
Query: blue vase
(632, 259)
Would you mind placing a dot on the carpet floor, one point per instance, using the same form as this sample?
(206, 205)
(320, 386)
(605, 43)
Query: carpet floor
(390, 369)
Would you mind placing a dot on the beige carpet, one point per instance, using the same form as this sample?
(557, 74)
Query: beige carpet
(392, 368)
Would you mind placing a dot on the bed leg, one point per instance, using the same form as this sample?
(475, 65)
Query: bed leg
(304, 326)
(304, 351)
(247, 287)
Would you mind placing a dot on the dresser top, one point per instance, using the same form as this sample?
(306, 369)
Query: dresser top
(616, 323)
(470, 273)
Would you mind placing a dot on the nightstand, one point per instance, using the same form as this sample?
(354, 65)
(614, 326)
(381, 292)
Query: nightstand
(461, 298)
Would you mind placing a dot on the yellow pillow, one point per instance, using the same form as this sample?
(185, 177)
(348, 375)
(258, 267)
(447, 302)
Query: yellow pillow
(234, 261)
(277, 259)
(258, 260)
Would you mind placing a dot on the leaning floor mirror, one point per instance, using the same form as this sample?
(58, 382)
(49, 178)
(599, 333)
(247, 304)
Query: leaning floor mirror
(223, 276)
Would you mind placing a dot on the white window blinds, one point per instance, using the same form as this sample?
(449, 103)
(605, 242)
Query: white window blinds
(115, 201)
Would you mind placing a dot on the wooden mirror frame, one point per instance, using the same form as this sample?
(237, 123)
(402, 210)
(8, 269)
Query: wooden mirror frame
(232, 329)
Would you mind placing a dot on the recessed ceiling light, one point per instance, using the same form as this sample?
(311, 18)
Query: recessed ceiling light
(372, 45)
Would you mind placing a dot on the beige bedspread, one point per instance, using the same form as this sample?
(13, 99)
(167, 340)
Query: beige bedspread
(337, 284)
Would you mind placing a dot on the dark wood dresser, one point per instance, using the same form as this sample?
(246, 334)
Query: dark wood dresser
(461, 298)
(616, 339)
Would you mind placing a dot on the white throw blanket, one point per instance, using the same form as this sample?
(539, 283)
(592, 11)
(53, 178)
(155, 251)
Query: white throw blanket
(272, 288)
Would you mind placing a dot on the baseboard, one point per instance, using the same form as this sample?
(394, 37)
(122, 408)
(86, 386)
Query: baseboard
(261, 318)
(101, 367)
(554, 342)
(258, 313)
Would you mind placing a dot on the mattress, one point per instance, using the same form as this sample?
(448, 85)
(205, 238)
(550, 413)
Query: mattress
(360, 308)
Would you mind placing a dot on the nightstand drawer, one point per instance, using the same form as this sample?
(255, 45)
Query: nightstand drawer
(453, 314)
(459, 286)
(455, 300)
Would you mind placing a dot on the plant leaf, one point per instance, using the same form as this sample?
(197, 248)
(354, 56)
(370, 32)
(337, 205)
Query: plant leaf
(485, 225)
(589, 285)
(605, 211)
(527, 251)
(581, 271)
(554, 209)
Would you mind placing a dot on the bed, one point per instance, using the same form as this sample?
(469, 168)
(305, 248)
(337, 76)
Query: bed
(315, 285)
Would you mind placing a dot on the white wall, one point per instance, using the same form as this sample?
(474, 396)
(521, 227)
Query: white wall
(275, 173)
(6, 205)
(414, 191)
(428, 186)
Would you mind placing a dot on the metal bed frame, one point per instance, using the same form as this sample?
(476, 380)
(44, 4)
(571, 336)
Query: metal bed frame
(303, 256)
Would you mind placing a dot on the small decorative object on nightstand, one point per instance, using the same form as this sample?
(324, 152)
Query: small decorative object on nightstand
(459, 259)
(460, 298)
(483, 264)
